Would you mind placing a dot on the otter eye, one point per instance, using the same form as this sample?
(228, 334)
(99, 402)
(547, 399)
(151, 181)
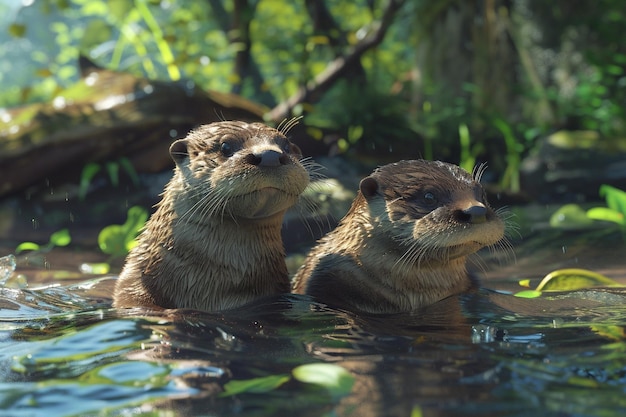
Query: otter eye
(226, 149)
(430, 199)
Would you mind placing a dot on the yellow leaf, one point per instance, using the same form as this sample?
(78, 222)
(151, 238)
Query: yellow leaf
(574, 279)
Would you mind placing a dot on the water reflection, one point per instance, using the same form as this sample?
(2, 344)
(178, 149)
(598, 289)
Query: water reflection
(65, 352)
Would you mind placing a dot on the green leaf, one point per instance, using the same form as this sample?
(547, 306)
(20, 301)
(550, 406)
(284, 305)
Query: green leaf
(26, 246)
(574, 279)
(606, 214)
(528, 294)
(130, 170)
(60, 238)
(570, 216)
(113, 169)
(89, 171)
(117, 240)
(337, 380)
(615, 198)
(255, 385)
(135, 219)
(95, 268)
(112, 240)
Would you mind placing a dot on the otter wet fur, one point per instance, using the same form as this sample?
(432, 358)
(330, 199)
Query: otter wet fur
(214, 242)
(404, 242)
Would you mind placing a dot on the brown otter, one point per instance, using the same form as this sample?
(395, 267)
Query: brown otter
(214, 241)
(404, 242)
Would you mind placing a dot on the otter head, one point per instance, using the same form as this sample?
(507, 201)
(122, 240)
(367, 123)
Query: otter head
(240, 170)
(436, 211)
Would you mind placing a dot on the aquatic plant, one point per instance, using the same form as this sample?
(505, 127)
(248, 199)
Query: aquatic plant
(59, 238)
(112, 167)
(118, 239)
(569, 279)
(574, 216)
(334, 379)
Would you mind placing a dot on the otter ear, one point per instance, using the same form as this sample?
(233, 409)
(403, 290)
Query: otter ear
(178, 151)
(368, 187)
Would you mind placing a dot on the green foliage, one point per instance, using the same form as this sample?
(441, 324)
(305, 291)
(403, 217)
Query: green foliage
(112, 167)
(573, 216)
(59, 238)
(468, 155)
(396, 97)
(365, 116)
(254, 386)
(117, 240)
(334, 379)
(615, 200)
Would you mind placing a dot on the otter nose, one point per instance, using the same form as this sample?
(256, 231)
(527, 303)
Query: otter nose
(268, 158)
(474, 214)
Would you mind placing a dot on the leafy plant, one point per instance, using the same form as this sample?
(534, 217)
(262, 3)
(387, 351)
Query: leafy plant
(117, 240)
(336, 380)
(572, 215)
(112, 167)
(59, 238)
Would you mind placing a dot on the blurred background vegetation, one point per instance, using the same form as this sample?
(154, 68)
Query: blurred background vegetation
(460, 80)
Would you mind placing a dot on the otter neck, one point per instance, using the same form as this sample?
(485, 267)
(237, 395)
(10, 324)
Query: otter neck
(421, 282)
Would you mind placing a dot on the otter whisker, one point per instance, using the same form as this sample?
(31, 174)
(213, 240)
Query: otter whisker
(287, 124)
(478, 171)
(313, 168)
(505, 247)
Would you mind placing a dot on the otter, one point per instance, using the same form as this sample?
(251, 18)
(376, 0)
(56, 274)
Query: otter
(214, 242)
(404, 242)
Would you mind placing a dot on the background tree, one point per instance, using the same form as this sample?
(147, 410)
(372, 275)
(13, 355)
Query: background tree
(482, 80)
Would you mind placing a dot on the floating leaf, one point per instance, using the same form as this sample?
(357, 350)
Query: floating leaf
(337, 380)
(26, 246)
(60, 238)
(615, 198)
(570, 216)
(573, 279)
(606, 214)
(95, 268)
(528, 294)
(524, 283)
(255, 385)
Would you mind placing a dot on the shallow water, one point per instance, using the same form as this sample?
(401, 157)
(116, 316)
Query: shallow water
(64, 352)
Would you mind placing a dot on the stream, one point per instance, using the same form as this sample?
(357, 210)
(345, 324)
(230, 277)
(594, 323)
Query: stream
(65, 352)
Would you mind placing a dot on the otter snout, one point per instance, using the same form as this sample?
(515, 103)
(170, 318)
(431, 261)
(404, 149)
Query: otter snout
(267, 158)
(475, 213)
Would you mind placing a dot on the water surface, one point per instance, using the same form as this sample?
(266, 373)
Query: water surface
(65, 352)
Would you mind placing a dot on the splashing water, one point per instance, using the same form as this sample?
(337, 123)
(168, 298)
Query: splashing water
(7, 266)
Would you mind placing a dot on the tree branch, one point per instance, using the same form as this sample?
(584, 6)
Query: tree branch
(315, 88)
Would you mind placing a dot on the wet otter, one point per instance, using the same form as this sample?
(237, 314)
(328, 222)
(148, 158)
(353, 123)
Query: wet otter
(404, 242)
(214, 241)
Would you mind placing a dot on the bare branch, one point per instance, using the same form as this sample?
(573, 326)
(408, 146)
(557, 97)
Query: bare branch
(335, 69)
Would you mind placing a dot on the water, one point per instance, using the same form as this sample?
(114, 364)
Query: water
(65, 352)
